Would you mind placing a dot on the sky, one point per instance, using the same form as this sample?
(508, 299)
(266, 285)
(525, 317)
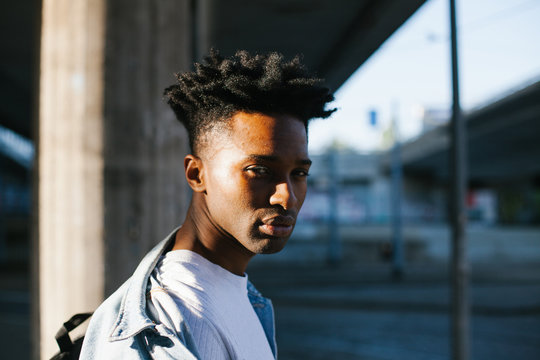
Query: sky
(499, 50)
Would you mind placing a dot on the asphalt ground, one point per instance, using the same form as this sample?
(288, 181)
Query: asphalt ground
(363, 312)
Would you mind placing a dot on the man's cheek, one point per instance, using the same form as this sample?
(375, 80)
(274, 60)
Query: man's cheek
(258, 193)
(302, 197)
(226, 182)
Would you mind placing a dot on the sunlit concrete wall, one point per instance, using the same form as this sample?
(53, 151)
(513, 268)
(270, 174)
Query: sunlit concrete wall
(109, 151)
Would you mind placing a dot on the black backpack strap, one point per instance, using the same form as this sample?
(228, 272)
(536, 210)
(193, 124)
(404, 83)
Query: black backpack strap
(62, 336)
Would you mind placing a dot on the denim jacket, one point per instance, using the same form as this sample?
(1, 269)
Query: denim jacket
(121, 327)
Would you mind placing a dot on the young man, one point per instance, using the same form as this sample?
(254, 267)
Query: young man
(189, 298)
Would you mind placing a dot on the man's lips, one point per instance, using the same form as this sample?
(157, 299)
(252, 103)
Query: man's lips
(278, 226)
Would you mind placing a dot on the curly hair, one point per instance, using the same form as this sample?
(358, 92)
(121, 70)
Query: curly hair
(220, 87)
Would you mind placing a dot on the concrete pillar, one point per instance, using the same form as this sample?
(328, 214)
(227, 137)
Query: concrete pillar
(145, 190)
(70, 163)
(109, 166)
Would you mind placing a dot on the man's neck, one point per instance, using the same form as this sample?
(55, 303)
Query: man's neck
(199, 234)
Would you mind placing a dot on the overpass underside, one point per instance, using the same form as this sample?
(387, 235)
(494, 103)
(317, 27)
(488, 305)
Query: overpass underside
(503, 143)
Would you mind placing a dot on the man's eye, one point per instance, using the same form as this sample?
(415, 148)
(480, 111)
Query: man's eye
(258, 170)
(301, 173)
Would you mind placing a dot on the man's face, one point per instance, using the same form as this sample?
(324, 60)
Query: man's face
(256, 179)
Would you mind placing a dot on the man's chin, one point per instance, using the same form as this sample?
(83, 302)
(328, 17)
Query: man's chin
(270, 245)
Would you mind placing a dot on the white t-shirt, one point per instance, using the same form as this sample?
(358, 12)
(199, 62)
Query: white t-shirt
(213, 302)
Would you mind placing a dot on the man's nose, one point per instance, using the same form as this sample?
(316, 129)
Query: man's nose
(284, 195)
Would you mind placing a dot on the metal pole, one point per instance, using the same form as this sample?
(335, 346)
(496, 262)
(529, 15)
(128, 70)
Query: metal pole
(397, 226)
(460, 269)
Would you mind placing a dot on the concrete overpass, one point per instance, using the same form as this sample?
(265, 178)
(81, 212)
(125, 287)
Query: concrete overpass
(503, 142)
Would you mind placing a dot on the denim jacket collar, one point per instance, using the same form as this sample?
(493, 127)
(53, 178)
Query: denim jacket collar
(132, 317)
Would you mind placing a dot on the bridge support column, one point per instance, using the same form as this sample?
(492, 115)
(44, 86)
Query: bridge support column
(109, 176)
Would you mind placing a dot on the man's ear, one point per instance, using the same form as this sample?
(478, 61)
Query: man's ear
(193, 167)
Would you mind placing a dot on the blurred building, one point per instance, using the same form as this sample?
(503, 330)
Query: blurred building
(503, 168)
(364, 192)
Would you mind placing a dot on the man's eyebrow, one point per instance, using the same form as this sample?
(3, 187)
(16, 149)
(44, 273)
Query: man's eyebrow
(273, 158)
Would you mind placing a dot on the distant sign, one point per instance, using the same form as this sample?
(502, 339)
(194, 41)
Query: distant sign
(372, 118)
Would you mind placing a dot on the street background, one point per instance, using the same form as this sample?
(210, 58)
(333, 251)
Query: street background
(360, 311)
